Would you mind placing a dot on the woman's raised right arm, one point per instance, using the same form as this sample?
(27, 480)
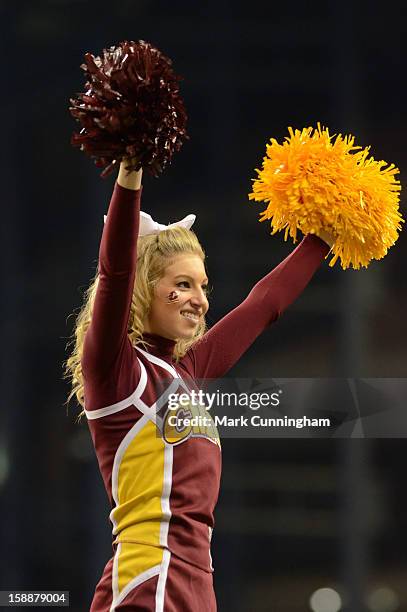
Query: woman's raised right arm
(106, 337)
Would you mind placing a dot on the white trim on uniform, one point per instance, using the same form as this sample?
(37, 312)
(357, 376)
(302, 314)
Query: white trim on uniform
(115, 577)
(151, 411)
(165, 497)
(152, 571)
(135, 397)
(160, 593)
(160, 362)
(163, 399)
(118, 459)
(125, 403)
(163, 364)
(210, 531)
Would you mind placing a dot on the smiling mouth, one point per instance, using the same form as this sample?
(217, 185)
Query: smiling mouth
(191, 316)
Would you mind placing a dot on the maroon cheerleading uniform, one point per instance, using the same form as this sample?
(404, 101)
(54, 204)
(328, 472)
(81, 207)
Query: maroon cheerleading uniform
(163, 492)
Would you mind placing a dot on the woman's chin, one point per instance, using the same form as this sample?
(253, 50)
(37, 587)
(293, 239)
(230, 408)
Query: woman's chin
(186, 334)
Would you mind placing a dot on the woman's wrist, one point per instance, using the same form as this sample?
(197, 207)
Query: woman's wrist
(326, 237)
(128, 180)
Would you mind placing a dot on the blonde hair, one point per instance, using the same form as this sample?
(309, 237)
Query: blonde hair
(154, 254)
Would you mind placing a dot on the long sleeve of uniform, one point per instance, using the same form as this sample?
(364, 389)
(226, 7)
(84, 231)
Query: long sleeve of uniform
(222, 346)
(106, 343)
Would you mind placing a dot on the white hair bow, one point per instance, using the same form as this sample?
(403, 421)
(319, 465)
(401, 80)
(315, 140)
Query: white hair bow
(149, 226)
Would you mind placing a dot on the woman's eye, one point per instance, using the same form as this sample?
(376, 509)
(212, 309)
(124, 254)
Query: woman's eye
(186, 285)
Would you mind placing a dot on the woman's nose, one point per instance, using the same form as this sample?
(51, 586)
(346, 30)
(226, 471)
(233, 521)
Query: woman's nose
(198, 299)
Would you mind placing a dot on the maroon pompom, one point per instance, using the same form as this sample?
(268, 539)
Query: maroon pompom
(131, 108)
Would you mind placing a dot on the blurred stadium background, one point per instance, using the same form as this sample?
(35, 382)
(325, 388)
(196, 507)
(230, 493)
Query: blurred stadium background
(294, 517)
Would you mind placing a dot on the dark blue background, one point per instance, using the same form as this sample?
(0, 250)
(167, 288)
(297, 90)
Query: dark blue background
(293, 515)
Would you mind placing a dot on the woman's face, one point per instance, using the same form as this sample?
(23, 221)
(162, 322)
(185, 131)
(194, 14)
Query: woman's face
(179, 302)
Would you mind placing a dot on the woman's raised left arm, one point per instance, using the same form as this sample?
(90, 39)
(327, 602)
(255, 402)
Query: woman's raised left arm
(221, 347)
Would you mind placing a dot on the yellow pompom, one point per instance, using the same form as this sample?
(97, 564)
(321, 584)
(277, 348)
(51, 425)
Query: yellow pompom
(312, 183)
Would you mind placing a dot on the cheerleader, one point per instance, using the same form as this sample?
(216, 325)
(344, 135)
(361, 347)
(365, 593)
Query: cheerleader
(140, 336)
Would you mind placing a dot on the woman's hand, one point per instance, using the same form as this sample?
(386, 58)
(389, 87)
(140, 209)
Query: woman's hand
(326, 237)
(128, 180)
